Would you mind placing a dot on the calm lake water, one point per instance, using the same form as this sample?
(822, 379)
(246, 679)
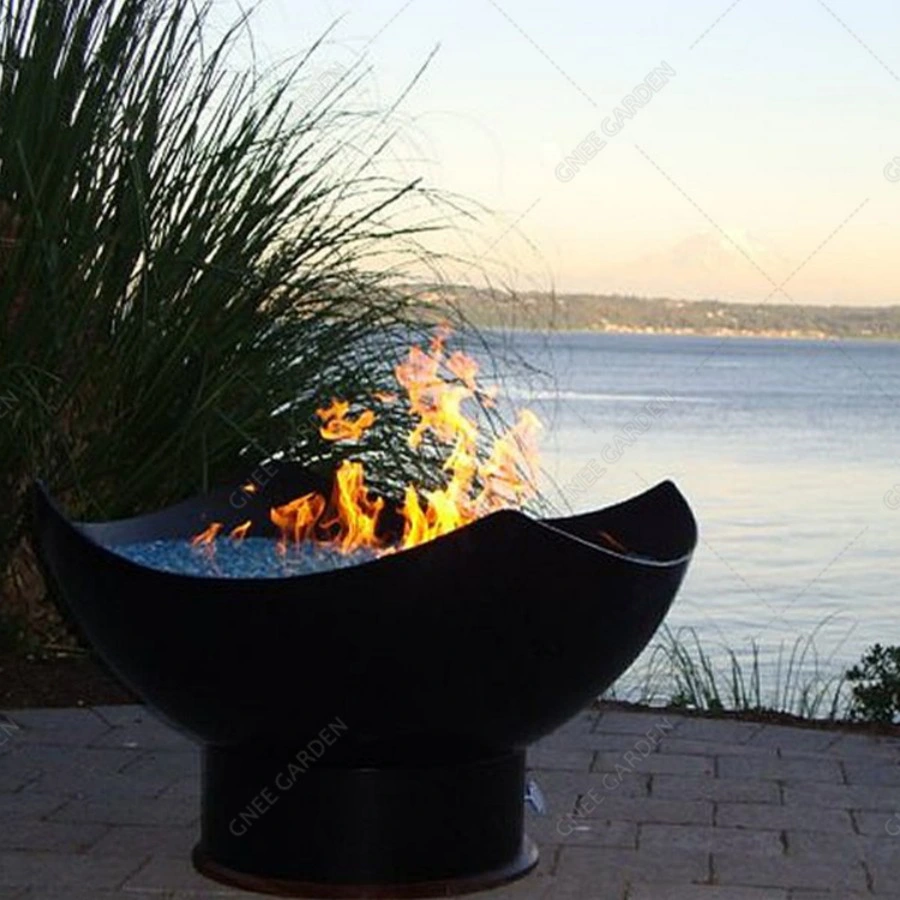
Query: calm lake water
(788, 450)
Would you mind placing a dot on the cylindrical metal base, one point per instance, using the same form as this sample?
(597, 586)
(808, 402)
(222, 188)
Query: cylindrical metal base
(273, 825)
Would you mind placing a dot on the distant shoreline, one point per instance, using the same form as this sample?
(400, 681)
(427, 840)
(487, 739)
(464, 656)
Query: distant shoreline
(618, 314)
(756, 335)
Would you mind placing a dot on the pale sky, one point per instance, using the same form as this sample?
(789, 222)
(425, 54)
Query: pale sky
(769, 145)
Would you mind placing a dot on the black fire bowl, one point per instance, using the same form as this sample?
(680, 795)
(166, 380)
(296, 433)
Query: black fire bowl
(364, 729)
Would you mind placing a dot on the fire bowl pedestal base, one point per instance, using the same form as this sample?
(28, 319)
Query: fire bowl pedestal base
(273, 826)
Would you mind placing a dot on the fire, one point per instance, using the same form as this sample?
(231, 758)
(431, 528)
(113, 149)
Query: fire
(338, 427)
(297, 520)
(206, 538)
(239, 532)
(354, 514)
(439, 391)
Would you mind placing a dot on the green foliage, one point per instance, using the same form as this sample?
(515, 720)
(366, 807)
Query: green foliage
(876, 686)
(184, 258)
(681, 671)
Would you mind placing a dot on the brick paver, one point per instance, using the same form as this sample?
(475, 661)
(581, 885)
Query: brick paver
(103, 804)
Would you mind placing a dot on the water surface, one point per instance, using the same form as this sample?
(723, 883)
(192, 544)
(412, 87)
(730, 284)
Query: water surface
(788, 451)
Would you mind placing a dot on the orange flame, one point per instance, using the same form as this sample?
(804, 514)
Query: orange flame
(476, 483)
(338, 427)
(297, 519)
(354, 513)
(239, 532)
(207, 537)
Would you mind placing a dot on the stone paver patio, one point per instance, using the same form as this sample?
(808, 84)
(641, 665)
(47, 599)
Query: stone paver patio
(103, 803)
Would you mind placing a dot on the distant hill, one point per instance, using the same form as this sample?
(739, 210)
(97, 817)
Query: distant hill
(659, 315)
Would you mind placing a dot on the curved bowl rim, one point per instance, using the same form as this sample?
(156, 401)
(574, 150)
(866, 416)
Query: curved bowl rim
(521, 520)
